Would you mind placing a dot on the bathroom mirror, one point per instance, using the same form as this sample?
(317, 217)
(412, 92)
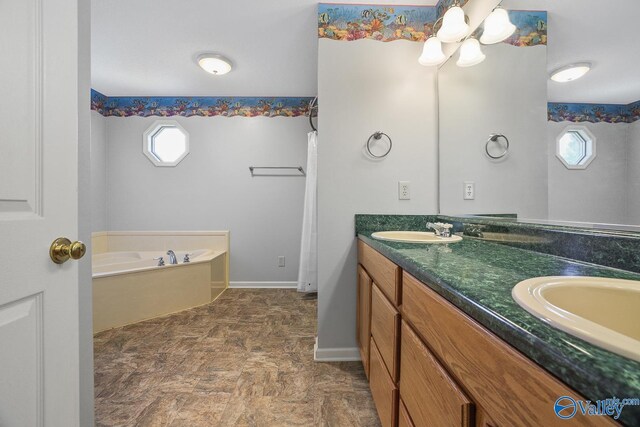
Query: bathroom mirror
(552, 171)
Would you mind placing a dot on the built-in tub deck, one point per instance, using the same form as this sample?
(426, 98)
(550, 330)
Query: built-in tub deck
(129, 286)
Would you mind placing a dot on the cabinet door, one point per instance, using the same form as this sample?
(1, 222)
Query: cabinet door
(383, 389)
(385, 329)
(404, 420)
(431, 397)
(363, 317)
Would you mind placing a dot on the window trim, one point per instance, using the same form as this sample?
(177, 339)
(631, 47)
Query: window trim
(151, 131)
(584, 132)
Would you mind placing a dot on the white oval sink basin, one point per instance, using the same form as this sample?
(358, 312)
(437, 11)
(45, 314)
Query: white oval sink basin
(414, 237)
(602, 311)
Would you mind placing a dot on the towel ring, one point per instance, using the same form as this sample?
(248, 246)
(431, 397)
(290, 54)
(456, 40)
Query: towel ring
(494, 137)
(377, 136)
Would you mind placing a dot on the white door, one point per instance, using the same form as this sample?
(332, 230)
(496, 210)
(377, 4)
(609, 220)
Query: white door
(38, 203)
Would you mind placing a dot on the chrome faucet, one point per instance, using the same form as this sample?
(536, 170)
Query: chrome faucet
(440, 229)
(172, 257)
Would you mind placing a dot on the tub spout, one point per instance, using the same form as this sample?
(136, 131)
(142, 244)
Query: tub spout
(172, 257)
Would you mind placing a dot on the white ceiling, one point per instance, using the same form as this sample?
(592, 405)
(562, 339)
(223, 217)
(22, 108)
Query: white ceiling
(148, 47)
(597, 31)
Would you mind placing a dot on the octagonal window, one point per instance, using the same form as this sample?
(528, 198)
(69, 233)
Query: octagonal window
(165, 143)
(576, 147)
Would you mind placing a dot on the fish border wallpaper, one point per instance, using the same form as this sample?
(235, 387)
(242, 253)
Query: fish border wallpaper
(147, 106)
(593, 113)
(350, 22)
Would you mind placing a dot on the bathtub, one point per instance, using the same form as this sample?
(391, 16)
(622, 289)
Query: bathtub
(129, 286)
(114, 263)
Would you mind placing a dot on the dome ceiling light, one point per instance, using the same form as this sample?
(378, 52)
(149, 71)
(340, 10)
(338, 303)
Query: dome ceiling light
(570, 72)
(214, 64)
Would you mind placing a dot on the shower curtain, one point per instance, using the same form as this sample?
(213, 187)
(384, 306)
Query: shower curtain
(308, 273)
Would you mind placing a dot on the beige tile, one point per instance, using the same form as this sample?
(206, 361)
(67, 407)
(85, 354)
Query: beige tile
(244, 360)
(201, 411)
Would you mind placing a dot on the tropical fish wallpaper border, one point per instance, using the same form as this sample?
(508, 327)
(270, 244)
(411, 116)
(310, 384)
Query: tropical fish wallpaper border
(199, 106)
(383, 23)
(593, 113)
(348, 22)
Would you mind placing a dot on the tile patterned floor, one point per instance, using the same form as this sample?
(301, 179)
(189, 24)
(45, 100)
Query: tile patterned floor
(244, 360)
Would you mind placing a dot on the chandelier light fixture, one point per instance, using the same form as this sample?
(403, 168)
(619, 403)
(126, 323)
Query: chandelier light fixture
(497, 27)
(454, 25)
(432, 54)
(470, 53)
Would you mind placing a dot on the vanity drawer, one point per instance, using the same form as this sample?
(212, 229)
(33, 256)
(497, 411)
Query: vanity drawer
(432, 398)
(384, 273)
(383, 390)
(511, 388)
(404, 420)
(385, 328)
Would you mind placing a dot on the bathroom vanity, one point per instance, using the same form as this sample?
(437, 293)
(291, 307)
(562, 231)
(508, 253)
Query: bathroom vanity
(443, 343)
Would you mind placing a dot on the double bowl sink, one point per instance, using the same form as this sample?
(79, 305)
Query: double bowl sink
(602, 311)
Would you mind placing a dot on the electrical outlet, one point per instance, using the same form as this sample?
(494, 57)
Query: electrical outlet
(280, 261)
(404, 192)
(469, 190)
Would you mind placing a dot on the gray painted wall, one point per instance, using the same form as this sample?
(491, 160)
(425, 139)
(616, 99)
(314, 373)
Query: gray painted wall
(363, 87)
(211, 189)
(597, 193)
(98, 172)
(633, 173)
(506, 94)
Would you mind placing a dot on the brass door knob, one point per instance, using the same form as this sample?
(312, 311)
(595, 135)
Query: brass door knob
(62, 249)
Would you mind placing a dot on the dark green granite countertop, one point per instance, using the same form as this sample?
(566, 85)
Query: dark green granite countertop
(477, 276)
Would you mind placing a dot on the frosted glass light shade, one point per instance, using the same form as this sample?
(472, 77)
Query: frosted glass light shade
(497, 27)
(470, 53)
(454, 26)
(214, 64)
(432, 54)
(570, 72)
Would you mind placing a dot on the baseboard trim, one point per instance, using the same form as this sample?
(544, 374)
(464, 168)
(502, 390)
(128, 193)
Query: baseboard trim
(265, 285)
(343, 354)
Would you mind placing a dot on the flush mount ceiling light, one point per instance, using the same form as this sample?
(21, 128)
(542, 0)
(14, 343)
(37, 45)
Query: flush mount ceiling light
(214, 64)
(497, 27)
(470, 53)
(432, 54)
(570, 72)
(454, 25)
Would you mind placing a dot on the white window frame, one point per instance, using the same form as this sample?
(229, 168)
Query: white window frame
(585, 134)
(152, 130)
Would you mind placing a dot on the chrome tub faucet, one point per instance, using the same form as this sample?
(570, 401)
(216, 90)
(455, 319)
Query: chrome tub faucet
(172, 257)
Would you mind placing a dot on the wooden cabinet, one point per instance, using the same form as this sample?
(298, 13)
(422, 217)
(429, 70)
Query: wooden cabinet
(385, 329)
(440, 367)
(384, 273)
(363, 317)
(430, 395)
(512, 390)
(404, 420)
(383, 389)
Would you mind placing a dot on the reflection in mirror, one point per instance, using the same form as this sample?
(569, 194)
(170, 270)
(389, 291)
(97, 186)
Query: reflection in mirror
(552, 172)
